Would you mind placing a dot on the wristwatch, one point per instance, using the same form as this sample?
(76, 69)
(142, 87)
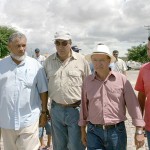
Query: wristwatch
(139, 132)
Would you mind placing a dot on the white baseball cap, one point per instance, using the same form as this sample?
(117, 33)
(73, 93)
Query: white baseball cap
(62, 35)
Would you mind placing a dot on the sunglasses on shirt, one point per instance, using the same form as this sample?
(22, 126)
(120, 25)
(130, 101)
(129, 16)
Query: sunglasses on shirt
(63, 43)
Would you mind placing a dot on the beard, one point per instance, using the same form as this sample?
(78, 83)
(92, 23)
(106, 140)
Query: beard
(18, 58)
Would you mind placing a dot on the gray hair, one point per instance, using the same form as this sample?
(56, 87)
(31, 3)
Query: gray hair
(16, 35)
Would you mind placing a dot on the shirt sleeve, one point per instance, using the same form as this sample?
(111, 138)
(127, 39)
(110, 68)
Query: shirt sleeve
(139, 86)
(87, 70)
(84, 107)
(42, 83)
(133, 105)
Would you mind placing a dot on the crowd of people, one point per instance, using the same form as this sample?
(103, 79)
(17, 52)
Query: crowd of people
(88, 100)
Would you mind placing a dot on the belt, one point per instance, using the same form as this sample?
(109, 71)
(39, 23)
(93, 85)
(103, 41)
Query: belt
(74, 105)
(107, 126)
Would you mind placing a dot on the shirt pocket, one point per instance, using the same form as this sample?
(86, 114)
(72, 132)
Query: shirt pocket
(75, 78)
(115, 93)
(30, 79)
(51, 75)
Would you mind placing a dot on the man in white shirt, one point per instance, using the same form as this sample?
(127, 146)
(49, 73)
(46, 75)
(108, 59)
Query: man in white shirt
(119, 64)
(39, 57)
(23, 92)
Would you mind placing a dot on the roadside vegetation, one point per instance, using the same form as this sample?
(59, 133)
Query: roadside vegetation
(135, 53)
(5, 32)
(138, 54)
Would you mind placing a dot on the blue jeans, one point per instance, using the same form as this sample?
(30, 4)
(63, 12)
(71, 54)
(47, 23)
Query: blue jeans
(66, 134)
(47, 128)
(41, 132)
(148, 138)
(106, 139)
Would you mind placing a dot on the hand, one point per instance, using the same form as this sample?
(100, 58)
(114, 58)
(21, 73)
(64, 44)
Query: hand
(84, 137)
(43, 120)
(48, 115)
(139, 140)
(49, 118)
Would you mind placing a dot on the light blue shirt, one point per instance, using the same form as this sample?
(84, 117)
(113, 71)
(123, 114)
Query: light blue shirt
(20, 86)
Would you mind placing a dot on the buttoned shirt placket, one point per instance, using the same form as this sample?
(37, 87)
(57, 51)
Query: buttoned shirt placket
(62, 74)
(16, 101)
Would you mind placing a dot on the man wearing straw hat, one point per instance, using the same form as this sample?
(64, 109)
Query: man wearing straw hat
(105, 96)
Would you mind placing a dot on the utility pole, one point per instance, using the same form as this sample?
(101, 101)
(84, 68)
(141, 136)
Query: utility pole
(148, 28)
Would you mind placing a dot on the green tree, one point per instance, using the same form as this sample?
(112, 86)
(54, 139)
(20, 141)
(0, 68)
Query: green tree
(138, 54)
(5, 32)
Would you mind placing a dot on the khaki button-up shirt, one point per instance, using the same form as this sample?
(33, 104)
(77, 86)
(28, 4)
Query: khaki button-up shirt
(65, 79)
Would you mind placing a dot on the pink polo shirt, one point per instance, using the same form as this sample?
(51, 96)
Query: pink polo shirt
(143, 85)
(105, 102)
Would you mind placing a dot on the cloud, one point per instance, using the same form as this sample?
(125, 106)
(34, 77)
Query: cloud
(117, 23)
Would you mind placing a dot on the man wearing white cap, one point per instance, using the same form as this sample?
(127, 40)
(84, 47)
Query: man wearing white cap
(105, 96)
(65, 71)
(39, 57)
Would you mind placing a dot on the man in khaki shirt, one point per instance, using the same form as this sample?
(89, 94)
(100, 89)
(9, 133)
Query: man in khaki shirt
(65, 71)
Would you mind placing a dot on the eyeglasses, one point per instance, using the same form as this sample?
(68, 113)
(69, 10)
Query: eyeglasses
(63, 43)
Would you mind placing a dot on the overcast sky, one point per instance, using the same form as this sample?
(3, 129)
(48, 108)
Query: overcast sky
(116, 23)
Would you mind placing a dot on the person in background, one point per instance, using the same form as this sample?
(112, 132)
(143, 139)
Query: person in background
(75, 49)
(47, 127)
(119, 65)
(23, 92)
(39, 57)
(143, 88)
(105, 96)
(65, 71)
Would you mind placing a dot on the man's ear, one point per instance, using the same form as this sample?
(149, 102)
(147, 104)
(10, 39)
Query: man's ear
(8, 47)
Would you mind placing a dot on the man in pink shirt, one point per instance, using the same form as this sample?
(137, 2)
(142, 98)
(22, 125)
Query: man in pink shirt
(105, 96)
(143, 86)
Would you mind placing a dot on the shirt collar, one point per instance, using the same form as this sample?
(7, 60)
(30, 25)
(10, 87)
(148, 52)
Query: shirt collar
(55, 56)
(22, 63)
(111, 73)
(73, 55)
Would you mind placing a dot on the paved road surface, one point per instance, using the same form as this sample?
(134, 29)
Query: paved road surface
(132, 76)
